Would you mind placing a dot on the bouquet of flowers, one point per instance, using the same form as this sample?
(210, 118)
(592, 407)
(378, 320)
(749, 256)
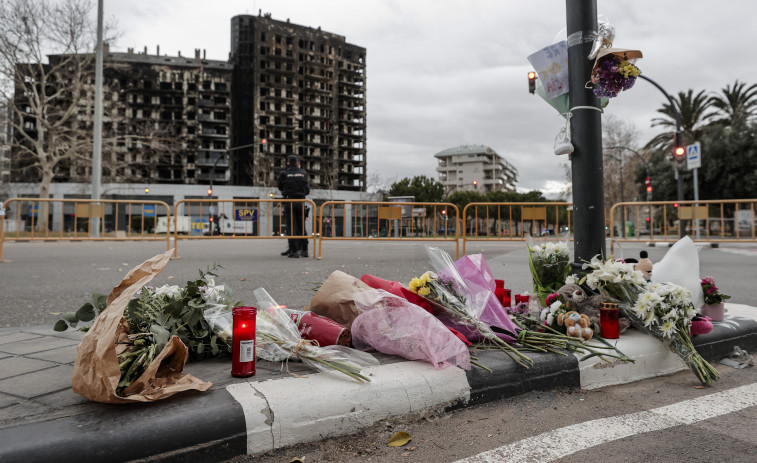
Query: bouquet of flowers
(393, 325)
(613, 74)
(663, 310)
(154, 315)
(554, 308)
(550, 264)
(279, 339)
(712, 294)
(451, 295)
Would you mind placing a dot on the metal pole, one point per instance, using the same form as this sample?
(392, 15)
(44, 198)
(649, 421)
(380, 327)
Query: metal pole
(97, 143)
(586, 135)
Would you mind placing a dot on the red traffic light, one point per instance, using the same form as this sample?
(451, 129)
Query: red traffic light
(675, 204)
(649, 189)
(210, 192)
(679, 153)
(531, 82)
(264, 141)
(648, 219)
(475, 184)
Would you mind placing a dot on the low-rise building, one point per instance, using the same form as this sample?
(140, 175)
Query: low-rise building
(475, 168)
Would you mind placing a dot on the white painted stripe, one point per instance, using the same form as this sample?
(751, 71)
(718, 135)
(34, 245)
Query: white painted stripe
(565, 441)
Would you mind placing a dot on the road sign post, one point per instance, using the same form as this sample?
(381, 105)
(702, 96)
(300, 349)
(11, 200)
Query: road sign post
(693, 163)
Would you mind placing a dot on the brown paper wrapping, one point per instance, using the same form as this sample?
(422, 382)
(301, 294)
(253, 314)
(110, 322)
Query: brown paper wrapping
(334, 299)
(96, 372)
(622, 52)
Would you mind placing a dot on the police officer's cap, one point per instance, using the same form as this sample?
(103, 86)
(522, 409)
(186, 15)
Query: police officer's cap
(292, 159)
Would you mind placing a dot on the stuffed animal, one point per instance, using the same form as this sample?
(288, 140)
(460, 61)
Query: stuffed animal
(645, 265)
(576, 325)
(576, 299)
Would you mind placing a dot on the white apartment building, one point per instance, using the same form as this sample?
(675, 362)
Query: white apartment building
(475, 168)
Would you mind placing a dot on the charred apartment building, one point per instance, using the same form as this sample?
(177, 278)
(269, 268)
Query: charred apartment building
(286, 89)
(297, 90)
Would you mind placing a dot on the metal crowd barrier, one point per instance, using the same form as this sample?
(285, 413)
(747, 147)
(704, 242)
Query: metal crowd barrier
(387, 221)
(208, 219)
(53, 219)
(515, 221)
(703, 221)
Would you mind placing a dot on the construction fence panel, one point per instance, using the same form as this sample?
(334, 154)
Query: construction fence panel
(51, 219)
(703, 221)
(213, 219)
(388, 221)
(492, 221)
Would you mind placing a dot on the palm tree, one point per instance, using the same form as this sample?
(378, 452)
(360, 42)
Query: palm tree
(695, 114)
(737, 104)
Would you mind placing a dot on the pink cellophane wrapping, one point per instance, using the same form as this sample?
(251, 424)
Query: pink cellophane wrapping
(393, 325)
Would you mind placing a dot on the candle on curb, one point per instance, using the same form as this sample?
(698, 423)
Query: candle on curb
(243, 341)
(608, 320)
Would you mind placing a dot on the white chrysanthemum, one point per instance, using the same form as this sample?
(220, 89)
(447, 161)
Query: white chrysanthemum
(571, 279)
(543, 314)
(668, 329)
(671, 315)
(650, 319)
(172, 291)
(690, 312)
(640, 309)
(555, 306)
(550, 319)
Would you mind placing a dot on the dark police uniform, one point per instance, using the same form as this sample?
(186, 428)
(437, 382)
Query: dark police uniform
(293, 182)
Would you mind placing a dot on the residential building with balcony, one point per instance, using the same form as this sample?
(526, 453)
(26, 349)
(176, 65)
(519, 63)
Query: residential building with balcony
(475, 168)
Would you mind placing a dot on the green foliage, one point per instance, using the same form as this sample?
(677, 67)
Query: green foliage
(424, 189)
(86, 313)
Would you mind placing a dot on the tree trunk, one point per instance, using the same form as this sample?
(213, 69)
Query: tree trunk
(44, 193)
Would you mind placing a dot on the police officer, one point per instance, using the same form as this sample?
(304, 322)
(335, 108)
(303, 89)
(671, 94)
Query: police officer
(294, 183)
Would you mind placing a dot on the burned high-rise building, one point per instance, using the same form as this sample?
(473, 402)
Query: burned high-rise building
(286, 89)
(296, 90)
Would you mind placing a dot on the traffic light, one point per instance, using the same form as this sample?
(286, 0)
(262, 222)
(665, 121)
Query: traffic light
(648, 219)
(531, 82)
(675, 205)
(475, 184)
(444, 214)
(210, 191)
(270, 195)
(648, 184)
(679, 153)
(147, 189)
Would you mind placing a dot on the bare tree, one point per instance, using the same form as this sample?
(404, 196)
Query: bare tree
(619, 164)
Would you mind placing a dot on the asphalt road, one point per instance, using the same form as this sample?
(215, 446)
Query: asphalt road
(38, 280)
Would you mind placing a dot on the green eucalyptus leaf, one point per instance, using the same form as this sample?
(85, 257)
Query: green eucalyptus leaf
(70, 317)
(60, 325)
(100, 301)
(86, 312)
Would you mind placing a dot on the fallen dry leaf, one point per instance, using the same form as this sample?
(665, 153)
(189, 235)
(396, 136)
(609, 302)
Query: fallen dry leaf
(399, 439)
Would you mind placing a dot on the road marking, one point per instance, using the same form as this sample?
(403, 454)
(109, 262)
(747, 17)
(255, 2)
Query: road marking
(568, 440)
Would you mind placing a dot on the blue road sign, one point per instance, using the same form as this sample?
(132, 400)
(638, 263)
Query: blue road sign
(249, 215)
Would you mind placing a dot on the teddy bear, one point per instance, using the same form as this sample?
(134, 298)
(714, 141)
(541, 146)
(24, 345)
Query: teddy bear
(576, 299)
(576, 325)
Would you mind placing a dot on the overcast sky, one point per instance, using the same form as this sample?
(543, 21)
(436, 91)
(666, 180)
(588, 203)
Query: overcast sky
(444, 73)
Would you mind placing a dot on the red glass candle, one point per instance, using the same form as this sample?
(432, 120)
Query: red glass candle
(507, 300)
(499, 291)
(608, 320)
(524, 298)
(243, 341)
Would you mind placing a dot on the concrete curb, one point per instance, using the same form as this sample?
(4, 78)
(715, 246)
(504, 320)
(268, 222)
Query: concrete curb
(254, 417)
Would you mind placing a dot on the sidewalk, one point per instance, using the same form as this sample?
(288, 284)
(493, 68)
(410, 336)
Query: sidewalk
(42, 419)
